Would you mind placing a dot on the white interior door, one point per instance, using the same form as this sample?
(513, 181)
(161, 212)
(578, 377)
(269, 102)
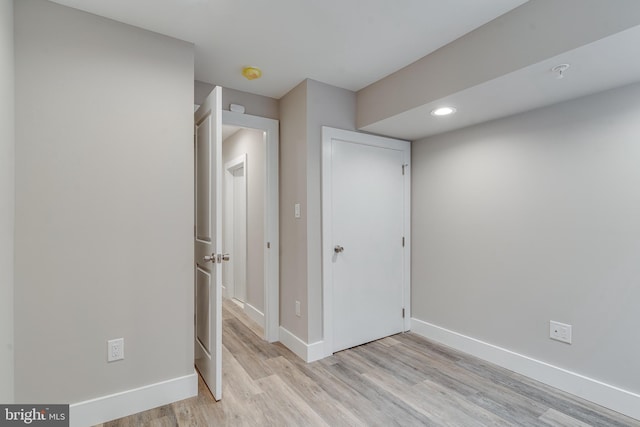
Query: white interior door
(365, 250)
(208, 241)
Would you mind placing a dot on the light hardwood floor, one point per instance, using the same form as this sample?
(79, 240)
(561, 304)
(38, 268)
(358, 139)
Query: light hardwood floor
(402, 380)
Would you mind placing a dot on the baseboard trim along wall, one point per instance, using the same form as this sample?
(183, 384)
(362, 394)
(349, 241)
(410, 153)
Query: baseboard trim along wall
(129, 402)
(307, 352)
(254, 314)
(617, 399)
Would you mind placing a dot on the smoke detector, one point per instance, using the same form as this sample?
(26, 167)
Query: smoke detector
(560, 69)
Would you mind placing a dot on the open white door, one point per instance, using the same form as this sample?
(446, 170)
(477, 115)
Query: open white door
(208, 241)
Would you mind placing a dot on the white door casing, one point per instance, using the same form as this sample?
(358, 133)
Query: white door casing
(271, 242)
(208, 241)
(366, 230)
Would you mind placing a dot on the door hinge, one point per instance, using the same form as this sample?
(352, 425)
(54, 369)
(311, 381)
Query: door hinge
(403, 169)
(403, 241)
(268, 245)
(403, 313)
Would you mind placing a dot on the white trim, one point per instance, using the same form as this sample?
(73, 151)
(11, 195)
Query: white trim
(233, 164)
(307, 352)
(603, 394)
(328, 135)
(254, 314)
(315, 351)
(271, 222)
(129, 402)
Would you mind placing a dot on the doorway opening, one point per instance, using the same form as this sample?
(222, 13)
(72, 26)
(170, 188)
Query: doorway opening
(243, 157)
(234, 227)
(250, 219)
(210, 256)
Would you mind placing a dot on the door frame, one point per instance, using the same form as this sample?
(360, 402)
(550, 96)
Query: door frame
(270, 127)
(328, 135)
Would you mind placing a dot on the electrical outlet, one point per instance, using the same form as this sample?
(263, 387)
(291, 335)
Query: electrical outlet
(296, 210)
(298, 308)
(560, 332)
(115, 350)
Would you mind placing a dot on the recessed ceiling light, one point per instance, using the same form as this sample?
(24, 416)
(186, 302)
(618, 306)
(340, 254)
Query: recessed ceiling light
(443, 111)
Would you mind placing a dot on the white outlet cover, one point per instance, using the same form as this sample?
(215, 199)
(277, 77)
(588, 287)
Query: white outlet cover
(560, 332)
(115, 349)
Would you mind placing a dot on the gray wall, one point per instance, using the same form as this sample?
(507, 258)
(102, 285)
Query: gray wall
(251, 142)
(293, 189)
(326, 106)
(7, 198)
(535, 218)
(104, 196)
(303, 112)
(256, 105)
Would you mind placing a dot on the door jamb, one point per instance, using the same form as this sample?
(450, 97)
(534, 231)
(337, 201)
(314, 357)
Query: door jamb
(328, 135)
(271, 242)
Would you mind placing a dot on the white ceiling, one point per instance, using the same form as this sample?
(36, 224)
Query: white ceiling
(345, 43)
(604, 64)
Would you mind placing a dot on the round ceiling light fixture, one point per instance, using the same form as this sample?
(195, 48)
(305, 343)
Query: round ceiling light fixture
(252, 73)
(443, 111)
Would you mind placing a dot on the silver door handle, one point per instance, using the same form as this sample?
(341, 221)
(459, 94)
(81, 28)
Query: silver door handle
(338, 249)
(222, 257)
(217, 258)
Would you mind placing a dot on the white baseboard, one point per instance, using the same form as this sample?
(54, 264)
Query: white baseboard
(118, 405)
(315, 351)
(609, 396)
(254, 314)
(307, 352)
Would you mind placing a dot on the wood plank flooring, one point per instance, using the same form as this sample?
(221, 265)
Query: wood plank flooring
(402, 380)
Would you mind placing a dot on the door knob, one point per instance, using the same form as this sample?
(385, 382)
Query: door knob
(338, 249)
(222, 257)
(216, 258)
